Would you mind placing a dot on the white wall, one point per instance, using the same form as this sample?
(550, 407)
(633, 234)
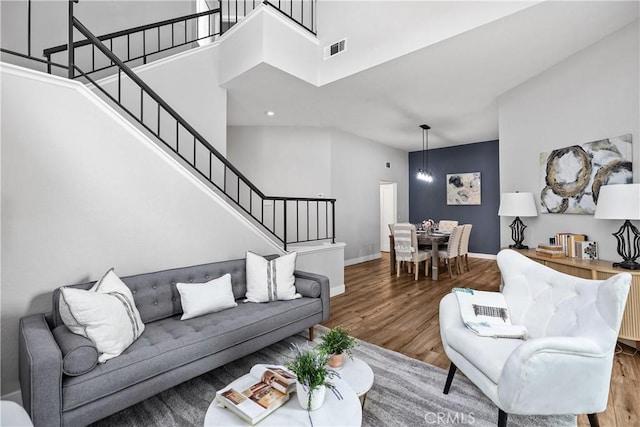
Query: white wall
(302, 161)
(357, 167)
(268, 36)
(591, 95)
(283, 161)
(402, 27)
(83, 191)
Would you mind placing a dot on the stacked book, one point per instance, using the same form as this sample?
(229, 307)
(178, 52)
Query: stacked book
(568, 242)
(551, 251)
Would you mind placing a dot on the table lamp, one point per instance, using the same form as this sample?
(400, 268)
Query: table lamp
(622, 202)
(517, 204)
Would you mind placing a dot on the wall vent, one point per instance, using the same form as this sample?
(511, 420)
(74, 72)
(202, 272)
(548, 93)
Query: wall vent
(335, 48)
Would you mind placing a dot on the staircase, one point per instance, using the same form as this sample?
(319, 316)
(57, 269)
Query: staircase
(104, 62)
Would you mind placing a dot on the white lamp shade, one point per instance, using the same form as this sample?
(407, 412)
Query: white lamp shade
(618, 201)
(517, 204)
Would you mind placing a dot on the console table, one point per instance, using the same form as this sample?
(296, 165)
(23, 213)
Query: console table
(600, 270)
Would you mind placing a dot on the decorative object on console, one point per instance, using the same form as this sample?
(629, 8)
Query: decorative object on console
(572, 176)
(463, 189)
(622, 201)
(587, 250)
(424, 174)
(517, 204)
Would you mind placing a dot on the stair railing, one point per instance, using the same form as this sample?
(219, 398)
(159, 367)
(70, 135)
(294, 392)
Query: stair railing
(153, 39)
(314, 217)
(303, 12)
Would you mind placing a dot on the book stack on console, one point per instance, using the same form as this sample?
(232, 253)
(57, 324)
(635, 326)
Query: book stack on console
(551, 251)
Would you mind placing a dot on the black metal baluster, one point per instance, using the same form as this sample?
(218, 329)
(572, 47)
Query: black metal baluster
(333, 221)
(317, 220)
(128, 47)
(173, 42)
(119, 84)
(185, 31)
(326, 219)
(285, 223)
(210, 167)
(307, 220)
(144, 47)
(158, 104)
(298, 220)
(29, 29)
(111, 49)
(177, 137)
(159, 39)
(194, 152)
(142, 105)
(236, 11)
(238, 189)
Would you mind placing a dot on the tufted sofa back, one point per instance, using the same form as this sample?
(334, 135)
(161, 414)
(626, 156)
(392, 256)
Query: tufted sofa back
(156, 295)
(550, 303)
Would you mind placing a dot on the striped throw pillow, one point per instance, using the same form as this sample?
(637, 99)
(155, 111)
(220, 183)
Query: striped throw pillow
(106, 314)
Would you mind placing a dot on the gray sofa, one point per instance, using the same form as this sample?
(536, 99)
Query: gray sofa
(170, 351)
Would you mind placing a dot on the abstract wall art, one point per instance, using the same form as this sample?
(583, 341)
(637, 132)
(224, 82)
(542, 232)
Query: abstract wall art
(463, 188)
(571, 177)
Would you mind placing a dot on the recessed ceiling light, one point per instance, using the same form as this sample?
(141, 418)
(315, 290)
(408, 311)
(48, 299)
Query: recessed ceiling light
(270, 113)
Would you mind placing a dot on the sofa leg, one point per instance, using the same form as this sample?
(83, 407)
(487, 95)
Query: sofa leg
(311, 333)
(502, 418)
(593, 420)
(452, 372)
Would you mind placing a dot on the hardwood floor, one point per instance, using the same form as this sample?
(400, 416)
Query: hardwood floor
(401, 314)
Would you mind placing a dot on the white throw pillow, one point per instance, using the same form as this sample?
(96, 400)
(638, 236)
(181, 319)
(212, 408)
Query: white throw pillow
(199, 299)
(271, 280)
(106, 314)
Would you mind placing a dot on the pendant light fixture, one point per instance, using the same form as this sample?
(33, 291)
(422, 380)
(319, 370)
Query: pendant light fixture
(424, 174)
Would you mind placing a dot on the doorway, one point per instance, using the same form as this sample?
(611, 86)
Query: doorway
(388, 211)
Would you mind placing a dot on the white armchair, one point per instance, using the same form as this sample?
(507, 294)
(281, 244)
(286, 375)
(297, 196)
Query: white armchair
(564, 367)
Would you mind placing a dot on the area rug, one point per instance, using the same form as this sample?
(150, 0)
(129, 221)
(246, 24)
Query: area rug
(406, 392)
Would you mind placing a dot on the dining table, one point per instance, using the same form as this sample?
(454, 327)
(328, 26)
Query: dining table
(434, 239)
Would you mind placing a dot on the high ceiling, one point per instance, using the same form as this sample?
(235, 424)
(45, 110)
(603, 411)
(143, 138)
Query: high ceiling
(452, 85)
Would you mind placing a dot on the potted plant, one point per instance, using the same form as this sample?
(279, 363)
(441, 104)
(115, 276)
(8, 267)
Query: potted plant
(335, 344)
(310, 367)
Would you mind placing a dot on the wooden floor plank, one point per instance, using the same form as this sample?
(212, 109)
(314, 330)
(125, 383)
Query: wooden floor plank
(401, 314)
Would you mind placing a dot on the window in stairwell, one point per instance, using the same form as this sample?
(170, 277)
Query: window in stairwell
(207, 25)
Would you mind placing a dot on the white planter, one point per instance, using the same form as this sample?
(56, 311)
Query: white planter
(317, 397)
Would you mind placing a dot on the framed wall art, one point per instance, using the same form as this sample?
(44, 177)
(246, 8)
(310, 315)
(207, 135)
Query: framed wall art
(463, 189)
(572, 176)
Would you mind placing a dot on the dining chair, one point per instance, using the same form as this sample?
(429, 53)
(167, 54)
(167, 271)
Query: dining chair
(446, 225)
(406, 248)
(451, 253)
(463, 250)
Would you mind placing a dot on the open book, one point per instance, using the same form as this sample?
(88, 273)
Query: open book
(487, 314)
(254, 396)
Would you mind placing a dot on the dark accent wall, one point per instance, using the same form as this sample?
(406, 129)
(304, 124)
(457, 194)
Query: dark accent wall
(429, 200)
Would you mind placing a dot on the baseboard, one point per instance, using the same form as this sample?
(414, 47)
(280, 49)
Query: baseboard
(483, 256)
(337, 290)
(15, 396)
(362, 259)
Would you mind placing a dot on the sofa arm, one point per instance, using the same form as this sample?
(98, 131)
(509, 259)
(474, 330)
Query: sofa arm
(307, 286)
(40, 371)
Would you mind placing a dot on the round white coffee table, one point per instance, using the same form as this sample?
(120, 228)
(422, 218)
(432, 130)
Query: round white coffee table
(358, 375)
(334, 412)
